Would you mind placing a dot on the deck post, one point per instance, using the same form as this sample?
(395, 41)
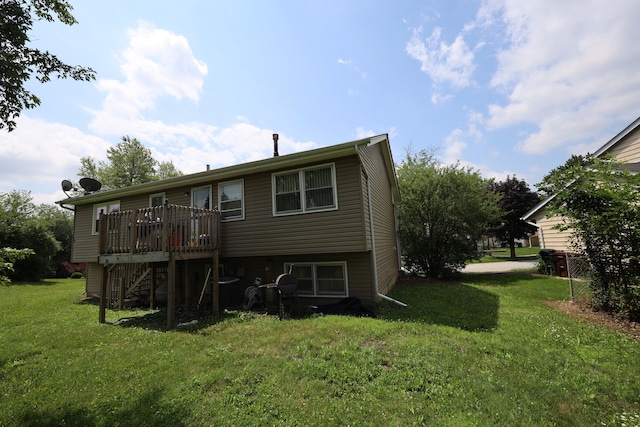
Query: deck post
(121, 292)
(215, 286)
(103, 296)
(171, 296)
(152, 290)
(187, 285)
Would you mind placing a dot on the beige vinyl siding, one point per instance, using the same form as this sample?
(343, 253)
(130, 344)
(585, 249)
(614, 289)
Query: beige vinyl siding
(335, 231)
(94, 279)
(365, 207)
(552, 238)
(627, 150)
(85, 244)
(384, 219)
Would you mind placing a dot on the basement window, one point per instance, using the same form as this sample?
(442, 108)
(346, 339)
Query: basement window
(326, 279)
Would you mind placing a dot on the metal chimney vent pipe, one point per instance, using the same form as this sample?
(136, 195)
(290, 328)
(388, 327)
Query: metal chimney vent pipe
(275, 145)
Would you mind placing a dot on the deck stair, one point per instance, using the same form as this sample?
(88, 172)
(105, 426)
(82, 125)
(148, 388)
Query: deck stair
(130, 284)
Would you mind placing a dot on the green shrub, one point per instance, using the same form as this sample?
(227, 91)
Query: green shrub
(77, 275)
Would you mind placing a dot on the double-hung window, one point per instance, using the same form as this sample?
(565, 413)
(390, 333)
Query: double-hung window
(305, 190)
(321, 278)
(231, 200)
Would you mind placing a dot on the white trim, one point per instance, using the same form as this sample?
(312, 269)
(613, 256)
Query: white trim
(235, 218)
(202, 187)
(151, 196)
(303, 208)
(108, 207)
(314, 277)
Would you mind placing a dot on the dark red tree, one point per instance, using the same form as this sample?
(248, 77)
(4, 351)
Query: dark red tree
(516, 200)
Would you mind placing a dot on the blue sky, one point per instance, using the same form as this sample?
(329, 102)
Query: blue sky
(504, 86)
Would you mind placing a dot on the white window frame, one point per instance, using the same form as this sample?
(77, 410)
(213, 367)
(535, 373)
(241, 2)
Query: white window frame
(154, 195)
(204, 187)
(110, 206)
(220, 201)
(314, 279)
(303, 208)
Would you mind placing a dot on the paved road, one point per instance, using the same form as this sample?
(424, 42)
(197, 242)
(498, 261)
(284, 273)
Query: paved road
(500, 267)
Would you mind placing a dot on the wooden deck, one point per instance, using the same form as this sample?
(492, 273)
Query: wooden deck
(154, 234)
(149, 237)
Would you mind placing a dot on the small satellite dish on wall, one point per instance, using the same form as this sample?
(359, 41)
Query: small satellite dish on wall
(67, 186)
(90, 185)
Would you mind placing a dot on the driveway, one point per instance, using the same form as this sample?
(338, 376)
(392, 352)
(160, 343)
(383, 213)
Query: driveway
(500, 267)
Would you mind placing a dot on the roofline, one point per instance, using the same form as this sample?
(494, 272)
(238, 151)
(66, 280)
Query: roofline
(599, 152)
(537, 207)
(626, 131)
(227, 172)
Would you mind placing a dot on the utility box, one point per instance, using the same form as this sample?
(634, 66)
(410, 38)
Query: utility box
(562, 267)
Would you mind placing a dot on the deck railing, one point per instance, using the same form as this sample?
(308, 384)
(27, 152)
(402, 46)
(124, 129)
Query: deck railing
(168, 228)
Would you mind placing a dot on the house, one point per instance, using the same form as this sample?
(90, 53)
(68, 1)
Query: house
(625, 147)
(327, 214)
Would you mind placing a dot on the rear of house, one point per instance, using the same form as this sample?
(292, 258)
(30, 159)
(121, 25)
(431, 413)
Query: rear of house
(327, 214)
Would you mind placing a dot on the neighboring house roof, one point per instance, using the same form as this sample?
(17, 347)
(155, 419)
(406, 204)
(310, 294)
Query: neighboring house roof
(265, 165)
(598, 153)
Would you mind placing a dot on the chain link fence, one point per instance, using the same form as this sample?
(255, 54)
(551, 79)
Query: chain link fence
(579, 274)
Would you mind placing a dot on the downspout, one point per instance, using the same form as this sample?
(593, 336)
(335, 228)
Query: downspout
(541, 232)
(373, 242)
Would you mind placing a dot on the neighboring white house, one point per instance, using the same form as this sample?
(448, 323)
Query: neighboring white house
(624, 147)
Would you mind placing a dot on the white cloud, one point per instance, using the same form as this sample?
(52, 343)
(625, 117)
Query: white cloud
(454, 146)
(156, 63)
(362, 133)
(39, 155)
(567, 68)
(444, 63)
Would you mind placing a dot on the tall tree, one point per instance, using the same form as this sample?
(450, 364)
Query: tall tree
(167, 170)
(444, 212)
(516, 199)
(128, 163)
(19, 62)
(597, 198)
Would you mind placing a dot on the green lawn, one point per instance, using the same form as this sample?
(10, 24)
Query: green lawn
(504, 254)
(485, 351)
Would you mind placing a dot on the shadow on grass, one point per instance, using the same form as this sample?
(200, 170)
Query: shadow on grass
(149, 408)
(444, 303)
(186, 320)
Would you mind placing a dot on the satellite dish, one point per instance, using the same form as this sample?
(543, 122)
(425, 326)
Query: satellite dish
(66, 185)
(90, 185)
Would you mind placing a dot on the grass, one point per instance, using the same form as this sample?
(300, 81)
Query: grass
(504, 254)
(483, 351)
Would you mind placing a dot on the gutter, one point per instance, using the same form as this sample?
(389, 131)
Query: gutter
(373, 242)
